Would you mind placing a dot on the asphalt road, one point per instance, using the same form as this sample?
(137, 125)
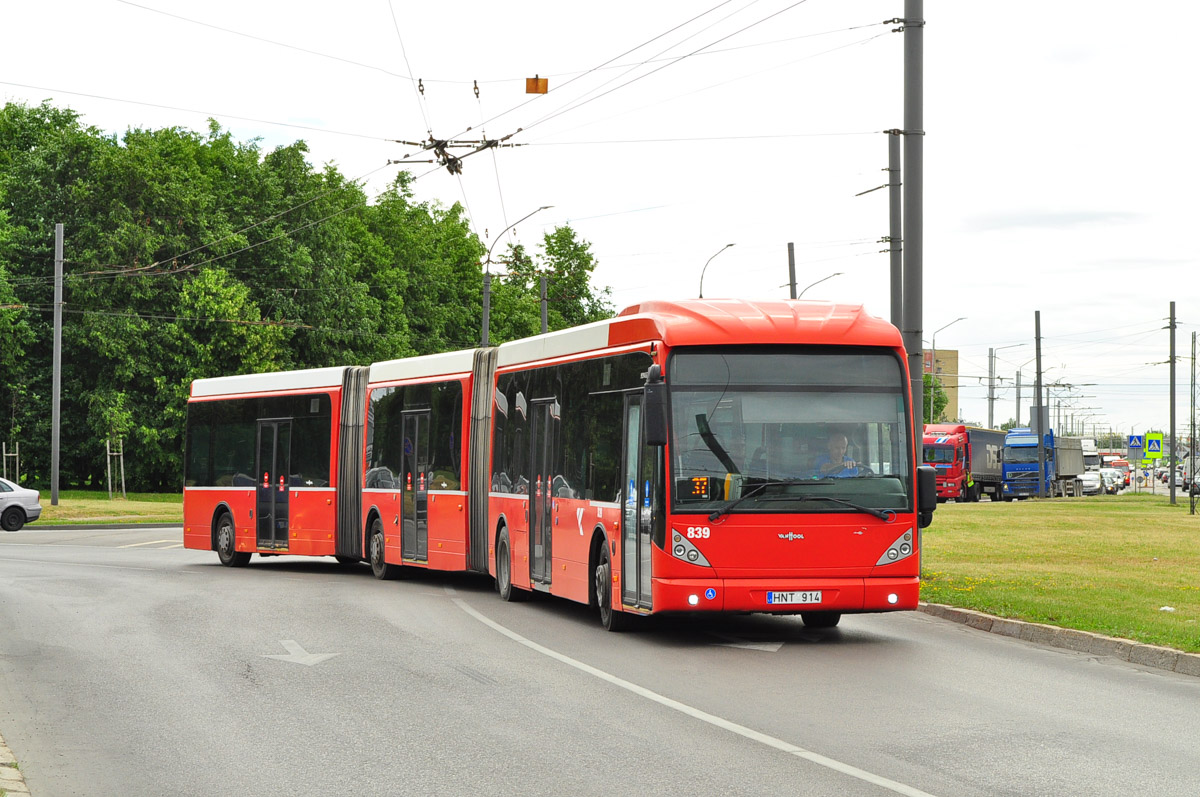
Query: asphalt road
(131, 666)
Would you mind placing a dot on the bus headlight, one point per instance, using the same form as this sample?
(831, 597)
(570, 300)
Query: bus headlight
(684, 549)
(900, 549)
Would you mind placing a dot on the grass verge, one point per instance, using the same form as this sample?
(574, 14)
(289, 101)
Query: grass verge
(1125, 566)
(82, 507)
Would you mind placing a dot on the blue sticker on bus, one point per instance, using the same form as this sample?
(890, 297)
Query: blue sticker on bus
(710, 593)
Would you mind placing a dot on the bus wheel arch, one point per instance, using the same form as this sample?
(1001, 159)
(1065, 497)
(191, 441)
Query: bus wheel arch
(225, 538)
(504, 584)
(602, 584)
(599, 543)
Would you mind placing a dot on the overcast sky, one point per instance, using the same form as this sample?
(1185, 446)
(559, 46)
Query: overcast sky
(1060, 167)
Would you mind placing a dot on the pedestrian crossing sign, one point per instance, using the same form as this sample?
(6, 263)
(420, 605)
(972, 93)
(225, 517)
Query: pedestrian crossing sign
(1154, 446)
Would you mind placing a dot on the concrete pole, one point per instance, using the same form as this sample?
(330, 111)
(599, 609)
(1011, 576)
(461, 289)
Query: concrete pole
(1039, 410)
(895, 228)
(1171, 428)
(56, 390)
(545, 308)
(792, 269)
(914, 132)
(487, 306)
(1018, 416)
(991, 387)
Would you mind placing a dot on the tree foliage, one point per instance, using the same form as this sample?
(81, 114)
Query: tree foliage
(935, 399)
(192, 255)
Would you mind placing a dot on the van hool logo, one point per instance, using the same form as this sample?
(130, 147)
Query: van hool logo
(791, 535)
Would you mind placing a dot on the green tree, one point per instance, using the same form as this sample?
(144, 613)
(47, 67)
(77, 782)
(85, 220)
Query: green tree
(935, 399)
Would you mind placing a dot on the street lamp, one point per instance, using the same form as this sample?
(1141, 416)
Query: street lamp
(933, 359)
(719, 251)
(818, 282)
(487, 273)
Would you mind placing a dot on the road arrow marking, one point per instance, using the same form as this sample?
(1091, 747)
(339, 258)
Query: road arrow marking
(299, 655)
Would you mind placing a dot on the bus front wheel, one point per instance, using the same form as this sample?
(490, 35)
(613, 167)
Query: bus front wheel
(227, 543)
(610, 618)
(383, 570)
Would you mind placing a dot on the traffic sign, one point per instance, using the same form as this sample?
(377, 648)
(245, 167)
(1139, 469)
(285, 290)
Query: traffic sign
(1154, 446)
(1135, 441)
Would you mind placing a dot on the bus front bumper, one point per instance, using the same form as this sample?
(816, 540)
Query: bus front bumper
(787, 595)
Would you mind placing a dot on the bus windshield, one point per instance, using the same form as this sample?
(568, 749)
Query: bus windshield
(778, 429)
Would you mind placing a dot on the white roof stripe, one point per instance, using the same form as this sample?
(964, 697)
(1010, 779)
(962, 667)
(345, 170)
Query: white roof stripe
(588, 337)
(278, 380)
(453, 362)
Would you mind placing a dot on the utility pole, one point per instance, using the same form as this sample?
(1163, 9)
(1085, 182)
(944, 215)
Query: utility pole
(56, 390)
(914, 132)
(991, 386)
(1171, 428)
(1192, 436)
(545, 308)
(792, 269)
(1040, 412)
(895, 228)
(1018, 418)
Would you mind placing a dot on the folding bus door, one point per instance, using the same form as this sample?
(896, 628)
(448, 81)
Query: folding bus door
(543, 439)
(415, 509)
(638, 478)
(273, 461)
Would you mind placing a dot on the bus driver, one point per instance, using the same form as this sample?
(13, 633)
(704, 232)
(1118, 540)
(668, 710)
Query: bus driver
(835, 464)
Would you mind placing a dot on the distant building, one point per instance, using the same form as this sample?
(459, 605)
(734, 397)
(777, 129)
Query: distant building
(945, 371)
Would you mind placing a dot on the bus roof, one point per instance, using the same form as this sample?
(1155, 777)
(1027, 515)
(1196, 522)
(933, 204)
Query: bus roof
(709, 322)
(451, 362)
(261, 383)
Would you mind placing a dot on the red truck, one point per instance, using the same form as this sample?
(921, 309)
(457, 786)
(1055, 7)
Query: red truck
(967, 460)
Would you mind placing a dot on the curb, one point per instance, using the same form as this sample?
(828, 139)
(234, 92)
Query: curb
(12, 780)
(104, 526)
(1161, 658)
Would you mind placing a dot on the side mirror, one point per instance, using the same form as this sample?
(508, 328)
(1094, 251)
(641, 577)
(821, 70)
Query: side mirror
(926, 494)
(655, 405)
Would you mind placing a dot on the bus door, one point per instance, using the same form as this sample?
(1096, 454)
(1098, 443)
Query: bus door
(415, 510)
(273, 461)
(543, 438)
(638, 478)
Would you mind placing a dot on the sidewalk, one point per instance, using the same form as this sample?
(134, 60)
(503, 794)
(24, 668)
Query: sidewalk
(1069, 639)
(11, 780)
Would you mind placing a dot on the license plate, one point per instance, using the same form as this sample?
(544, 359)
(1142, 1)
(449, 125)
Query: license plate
(802, 596)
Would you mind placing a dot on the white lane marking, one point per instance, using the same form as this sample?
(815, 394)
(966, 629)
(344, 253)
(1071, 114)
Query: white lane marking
(703, 716)
(139, 544)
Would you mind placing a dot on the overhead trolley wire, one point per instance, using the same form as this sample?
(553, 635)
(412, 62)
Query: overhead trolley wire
(218, 114)
(664, 66)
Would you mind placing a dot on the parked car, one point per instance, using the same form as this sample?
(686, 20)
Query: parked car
(18, 506)
(1093, 482)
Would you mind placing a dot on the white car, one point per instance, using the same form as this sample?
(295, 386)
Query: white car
(1092, 483)
(18, 506)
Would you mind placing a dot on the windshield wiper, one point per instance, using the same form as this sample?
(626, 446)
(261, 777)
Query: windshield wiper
(753, 491)
(757, 488)
(883, 514)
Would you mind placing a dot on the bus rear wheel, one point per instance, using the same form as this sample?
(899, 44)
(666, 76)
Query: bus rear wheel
(227, 543)
(383, 570)
(610, 618)
(820, 619)
(504, 583)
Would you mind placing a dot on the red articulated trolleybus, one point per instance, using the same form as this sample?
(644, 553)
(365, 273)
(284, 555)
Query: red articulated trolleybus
(705, 455)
